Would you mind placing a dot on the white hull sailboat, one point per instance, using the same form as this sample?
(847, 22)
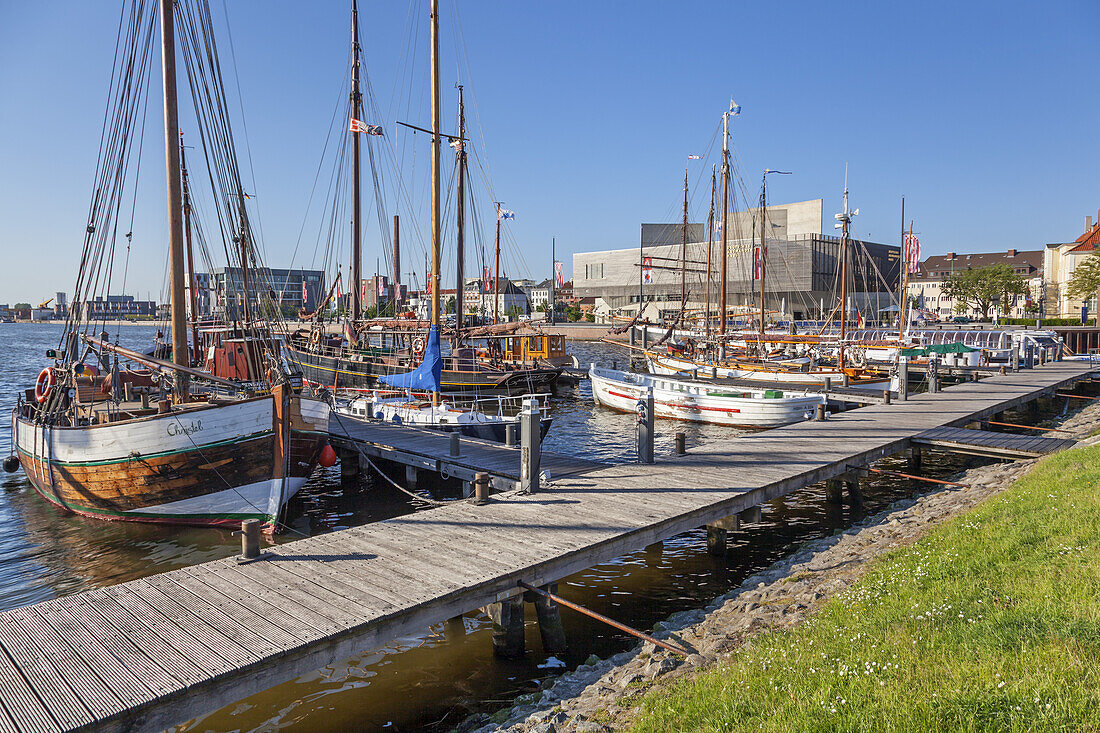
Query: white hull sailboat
(763, 373)
(695, 402)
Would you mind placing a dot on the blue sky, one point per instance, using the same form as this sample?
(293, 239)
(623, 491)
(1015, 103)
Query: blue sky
(982, 113)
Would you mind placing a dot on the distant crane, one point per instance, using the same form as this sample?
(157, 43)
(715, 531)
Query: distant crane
(45, 304)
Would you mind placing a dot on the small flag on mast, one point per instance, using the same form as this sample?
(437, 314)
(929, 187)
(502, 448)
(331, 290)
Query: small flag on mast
(486, 281)
(359, 126)
(559, 276)
(695, 157)
(647, 269)
(735, 108)
(506, 214)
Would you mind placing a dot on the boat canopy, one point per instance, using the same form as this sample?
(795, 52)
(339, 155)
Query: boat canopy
(953, 348)
(428, 375)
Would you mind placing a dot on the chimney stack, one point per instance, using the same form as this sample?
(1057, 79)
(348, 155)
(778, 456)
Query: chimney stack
(1011, 253)
(950, 256)
(1088, 222)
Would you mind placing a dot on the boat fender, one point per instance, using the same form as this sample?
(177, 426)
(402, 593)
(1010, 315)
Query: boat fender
(43, 386)
(328, 456)
(11, 464)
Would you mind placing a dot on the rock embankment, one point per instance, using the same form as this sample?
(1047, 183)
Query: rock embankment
(598, 695)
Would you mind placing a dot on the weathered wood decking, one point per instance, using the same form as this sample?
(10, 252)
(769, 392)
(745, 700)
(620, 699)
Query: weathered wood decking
(430, 450)
(151, 653)
(990, 443)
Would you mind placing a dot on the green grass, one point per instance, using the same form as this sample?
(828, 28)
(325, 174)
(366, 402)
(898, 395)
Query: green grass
(990, 622)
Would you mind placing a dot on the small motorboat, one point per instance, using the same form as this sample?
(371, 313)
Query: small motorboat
(450, 415)
(698, 402)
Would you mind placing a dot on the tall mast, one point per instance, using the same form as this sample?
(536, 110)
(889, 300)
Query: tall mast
(396, 260)
(460, 218)
(903, 270)
(356, 175)
(553, 274)
(710, 242)
(683, 249)
(194, 299)
(725, 222)
(435, 172)
(903, 325)
(175, 192)
(496, 273)
(844, 220)
(763, 254)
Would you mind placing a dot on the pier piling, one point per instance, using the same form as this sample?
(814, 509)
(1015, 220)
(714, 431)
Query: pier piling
(455, 447)
(250, 539)
(833, 491)
(644, 438)
(855, 494)
(510, 435)
(530, 420)
(549, 618)
(481, 488)
(507, 618)
(820, 415)
(681, 443)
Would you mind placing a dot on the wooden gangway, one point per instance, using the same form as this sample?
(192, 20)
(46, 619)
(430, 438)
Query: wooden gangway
(151, 653)
(991, 443)
(430, 450)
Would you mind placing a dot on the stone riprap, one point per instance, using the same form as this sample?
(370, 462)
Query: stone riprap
(598, 695)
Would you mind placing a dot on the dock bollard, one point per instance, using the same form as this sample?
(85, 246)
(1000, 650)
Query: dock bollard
(1029, 357)
(1004, 370)
(481, 488)
(510, 435)
(530, 451)
(645, 427)
(1015, 358)
(456, 449)
(828, 383)
(886, 396)
(681, 443)
(250, 539)
(844, 379)
(820, 413)
(933, 376)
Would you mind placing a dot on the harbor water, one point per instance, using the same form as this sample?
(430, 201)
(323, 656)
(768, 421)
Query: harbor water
(431, 680)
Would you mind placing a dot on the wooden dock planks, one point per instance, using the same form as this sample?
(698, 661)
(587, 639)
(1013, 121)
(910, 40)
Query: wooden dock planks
(153, 652)
(992, 443)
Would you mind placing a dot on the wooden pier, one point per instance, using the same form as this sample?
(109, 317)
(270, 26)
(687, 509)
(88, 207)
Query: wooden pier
(152, 653)
(991, 444)
(429, 450)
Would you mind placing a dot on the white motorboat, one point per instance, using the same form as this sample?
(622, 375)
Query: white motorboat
(468, 418)
(698, 402)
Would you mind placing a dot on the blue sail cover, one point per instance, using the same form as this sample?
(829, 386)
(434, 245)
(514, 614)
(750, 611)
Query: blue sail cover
(425, 377)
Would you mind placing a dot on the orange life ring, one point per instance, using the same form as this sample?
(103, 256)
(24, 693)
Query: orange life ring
(418, 345)
(43, 386)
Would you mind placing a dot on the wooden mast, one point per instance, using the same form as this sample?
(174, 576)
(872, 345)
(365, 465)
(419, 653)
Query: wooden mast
(496, 273)
(763, 252)
(710, 246)
(175, 192)
(194, 298)
(725, 222)
(356, 175)
(435, 171)
(460, 218)
(683, 250)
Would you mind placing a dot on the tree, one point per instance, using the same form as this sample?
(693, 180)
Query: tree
(1086, 278)
(981, 287)
(22, 307)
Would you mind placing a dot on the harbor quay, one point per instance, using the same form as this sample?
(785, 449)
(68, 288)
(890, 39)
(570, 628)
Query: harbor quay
(150, 653)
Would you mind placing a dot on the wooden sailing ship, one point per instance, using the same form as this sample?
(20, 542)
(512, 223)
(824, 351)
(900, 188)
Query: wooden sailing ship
(165, 440)
(349, 362)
